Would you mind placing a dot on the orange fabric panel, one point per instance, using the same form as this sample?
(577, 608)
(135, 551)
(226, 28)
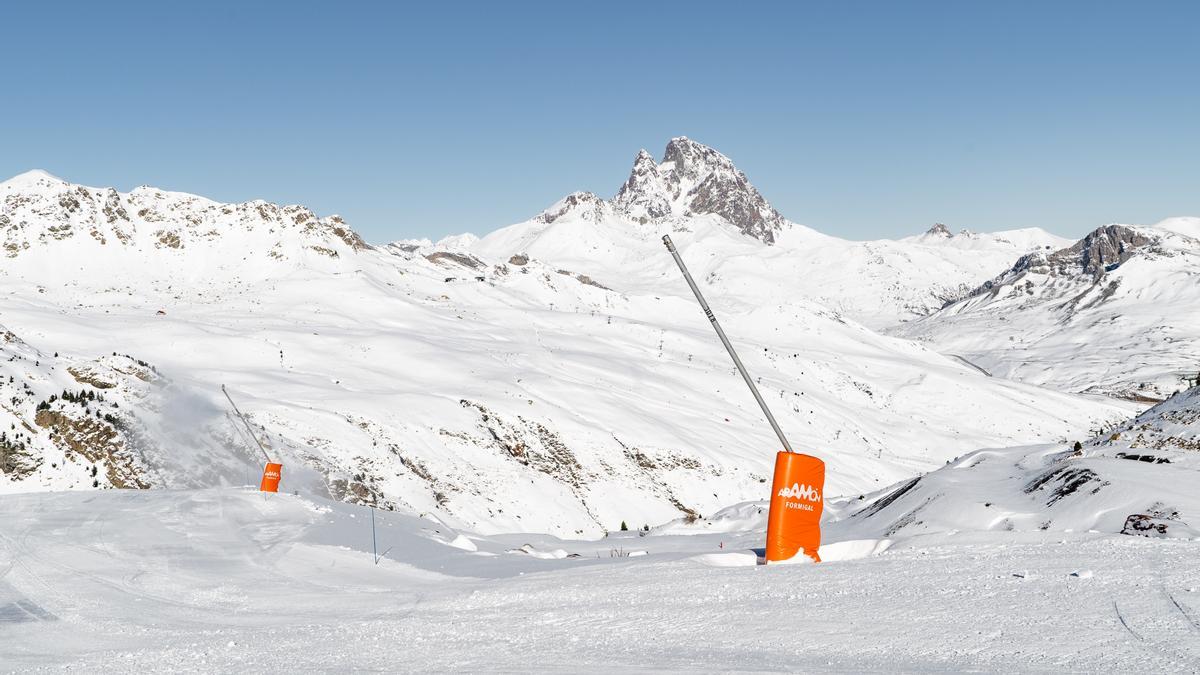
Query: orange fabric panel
(797, 498)
(271, 477)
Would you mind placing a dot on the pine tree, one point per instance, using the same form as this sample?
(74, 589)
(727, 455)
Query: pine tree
(624, 527)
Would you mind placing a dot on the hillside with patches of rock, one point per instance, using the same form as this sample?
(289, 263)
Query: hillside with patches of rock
(1111, 314)
(560, 387)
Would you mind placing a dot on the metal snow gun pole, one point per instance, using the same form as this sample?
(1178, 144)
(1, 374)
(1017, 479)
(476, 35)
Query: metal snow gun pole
(273, 471)
(794, 520)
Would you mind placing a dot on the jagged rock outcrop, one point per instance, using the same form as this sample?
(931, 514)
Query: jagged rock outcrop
(691, 180)
(1090, 258)
(704, 181)
(644, 196)
(584, 204)
(1102, 250)
(939, 230)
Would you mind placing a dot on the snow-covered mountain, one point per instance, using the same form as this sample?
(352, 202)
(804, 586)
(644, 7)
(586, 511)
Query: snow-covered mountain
(1136, 478)
(746, 248)
(1112, 313)
(555, 376)
(128, 238)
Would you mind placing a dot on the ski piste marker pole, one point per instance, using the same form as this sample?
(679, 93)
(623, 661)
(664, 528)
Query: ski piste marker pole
(725, 341)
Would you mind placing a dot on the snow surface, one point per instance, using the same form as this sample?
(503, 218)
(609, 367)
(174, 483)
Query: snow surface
(230, 580)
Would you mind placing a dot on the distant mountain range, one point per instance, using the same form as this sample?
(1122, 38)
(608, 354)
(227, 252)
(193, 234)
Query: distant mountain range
(1110, 314)
(554, 375)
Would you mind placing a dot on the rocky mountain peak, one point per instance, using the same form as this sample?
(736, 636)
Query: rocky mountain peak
(1105, 248)
(1102, 250)
(644, 195)
(1089, 259)
(693, 179)
(939, 230)
(692, 161)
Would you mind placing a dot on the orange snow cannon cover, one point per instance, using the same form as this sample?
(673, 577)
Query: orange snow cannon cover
(794, 522)
(271, 475)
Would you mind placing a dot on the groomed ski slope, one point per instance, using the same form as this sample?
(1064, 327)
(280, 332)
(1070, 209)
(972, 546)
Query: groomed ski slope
(234, 580)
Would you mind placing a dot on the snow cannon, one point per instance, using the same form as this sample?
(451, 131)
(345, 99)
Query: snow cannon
(272, 474)
(794, 521)
(273, 471)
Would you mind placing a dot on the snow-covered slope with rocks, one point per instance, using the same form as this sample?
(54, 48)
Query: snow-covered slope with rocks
(507, 392)
(1136, 478)
(1113, 313)
(40, 213)
(109, 421)
(747, 249)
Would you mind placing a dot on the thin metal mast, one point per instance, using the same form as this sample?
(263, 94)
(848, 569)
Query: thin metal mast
(248, 428)
(725, 341)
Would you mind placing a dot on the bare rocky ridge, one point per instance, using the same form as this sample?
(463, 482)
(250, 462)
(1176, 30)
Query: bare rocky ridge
(1101, 251)
(37, 209)
(1101, 316)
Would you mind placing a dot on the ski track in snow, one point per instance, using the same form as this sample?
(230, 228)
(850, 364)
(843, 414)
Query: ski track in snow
(277, 582)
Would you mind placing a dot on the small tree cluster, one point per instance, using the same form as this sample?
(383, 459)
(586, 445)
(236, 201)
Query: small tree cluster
(82, 397)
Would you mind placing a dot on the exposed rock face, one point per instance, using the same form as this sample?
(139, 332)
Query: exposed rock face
(1105, 249)
(939, 230)
(1101, 251)
(37, 208)
(644, 195)
(464, 259)
(707, 182)
(692, 180)
(586, 204)
(98, 441)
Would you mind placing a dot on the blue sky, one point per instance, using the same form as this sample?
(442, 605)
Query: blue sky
(860, 119)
